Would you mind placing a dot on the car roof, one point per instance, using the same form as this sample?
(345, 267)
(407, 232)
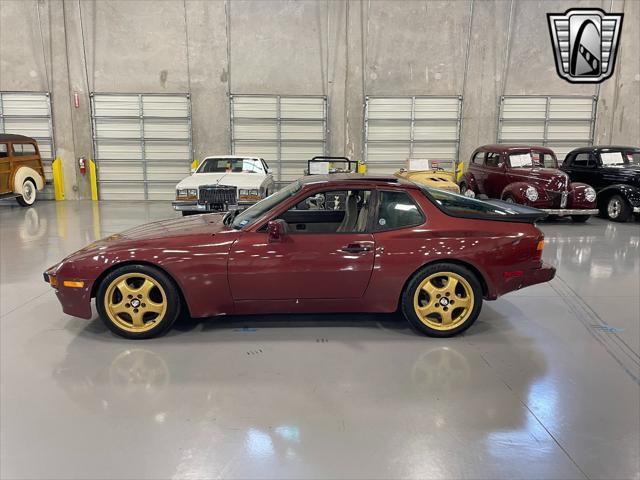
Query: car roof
(506, 148)
(239, 157)
(12, 137)
(351, 178)
(602, 148)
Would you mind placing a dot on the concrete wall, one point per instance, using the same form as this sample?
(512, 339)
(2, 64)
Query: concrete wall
(480, 49)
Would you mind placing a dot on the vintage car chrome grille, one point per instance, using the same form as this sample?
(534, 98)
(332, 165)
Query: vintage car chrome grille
(558, 199)
(218, 195)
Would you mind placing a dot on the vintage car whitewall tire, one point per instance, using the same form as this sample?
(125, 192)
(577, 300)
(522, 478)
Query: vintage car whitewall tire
(138, 301)
(467, 192)
(617, 209)
(28, 193)
(442, 300)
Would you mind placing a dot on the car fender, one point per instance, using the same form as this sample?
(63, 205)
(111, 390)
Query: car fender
(22, 173)
(469, 179)
(629, 192)
(516, 191)
(577, 191)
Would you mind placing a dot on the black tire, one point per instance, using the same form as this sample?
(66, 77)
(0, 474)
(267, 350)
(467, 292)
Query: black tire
(171, 298)
(188, 214)
(27, 200)
(412, 291)
(580, 218)
(617, 209)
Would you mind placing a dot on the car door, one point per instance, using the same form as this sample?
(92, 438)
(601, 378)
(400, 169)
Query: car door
(495, 175)
(324, 254)
(476, 168)
(582, 168)
(5, 168)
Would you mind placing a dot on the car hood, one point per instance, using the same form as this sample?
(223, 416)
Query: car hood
(240, 180)
(545, 177)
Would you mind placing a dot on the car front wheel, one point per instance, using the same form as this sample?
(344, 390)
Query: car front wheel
(580, 218)
(618, 209)
(28, 194)
(466, 191)
(138, 301)
(442, 300)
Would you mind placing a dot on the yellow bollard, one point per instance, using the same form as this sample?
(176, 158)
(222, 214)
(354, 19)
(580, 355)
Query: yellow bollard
(93, 178)
(58, 179)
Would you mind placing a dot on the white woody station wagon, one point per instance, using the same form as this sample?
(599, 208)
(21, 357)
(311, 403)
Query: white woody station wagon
(224, 183)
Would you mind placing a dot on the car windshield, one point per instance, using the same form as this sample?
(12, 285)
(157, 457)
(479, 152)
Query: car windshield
(231, 165)
(255, 211)
(532, 159)
(620, 158)
(460, 205)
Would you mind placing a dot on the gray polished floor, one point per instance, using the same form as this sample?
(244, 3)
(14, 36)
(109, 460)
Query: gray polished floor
(544, 385)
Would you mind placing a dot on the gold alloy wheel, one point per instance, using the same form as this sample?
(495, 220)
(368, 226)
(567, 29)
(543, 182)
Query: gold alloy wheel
(443, 300)
(135, 302)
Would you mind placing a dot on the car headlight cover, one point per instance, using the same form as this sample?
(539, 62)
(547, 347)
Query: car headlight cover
(181, 192)
(589, 194)
(192, 192)
(243, 192)
(531, 193)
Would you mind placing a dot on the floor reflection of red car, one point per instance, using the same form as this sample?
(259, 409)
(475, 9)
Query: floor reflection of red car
(528, 176)
(339, 243)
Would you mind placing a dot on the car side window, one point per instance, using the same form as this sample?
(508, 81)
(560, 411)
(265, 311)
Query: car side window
(24, 149)
(582, 160)
(397, 210)
(4, 151)
(478, 158)
(493, 160)
(334, 211)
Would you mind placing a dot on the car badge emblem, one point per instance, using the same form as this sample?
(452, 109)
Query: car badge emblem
(563, 199)
(585, 43)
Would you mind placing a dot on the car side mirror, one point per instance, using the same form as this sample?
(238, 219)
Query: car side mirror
(276, 230)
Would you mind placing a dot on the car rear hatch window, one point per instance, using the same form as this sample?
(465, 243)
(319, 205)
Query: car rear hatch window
(460, 206)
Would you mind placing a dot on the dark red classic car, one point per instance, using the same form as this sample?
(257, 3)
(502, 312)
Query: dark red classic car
(527, 175)
(325, 243)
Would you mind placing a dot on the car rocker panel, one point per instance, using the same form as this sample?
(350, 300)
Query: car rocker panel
(614, 172)
(494, 173)
(224, 183)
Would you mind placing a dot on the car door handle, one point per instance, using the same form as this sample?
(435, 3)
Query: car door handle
(356, 248)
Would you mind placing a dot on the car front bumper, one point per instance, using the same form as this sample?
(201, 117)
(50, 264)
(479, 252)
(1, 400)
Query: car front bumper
(193, 206)
(570, 211)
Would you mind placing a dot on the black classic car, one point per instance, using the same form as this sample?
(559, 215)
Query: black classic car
(615, 174)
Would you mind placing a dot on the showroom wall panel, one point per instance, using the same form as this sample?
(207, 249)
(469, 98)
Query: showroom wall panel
(398, 128)
(29, 113)
(561, 123)
(142, 144)
(344, 50)
(285, 131)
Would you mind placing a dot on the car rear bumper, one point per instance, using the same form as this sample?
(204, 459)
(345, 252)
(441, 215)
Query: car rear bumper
(570, 211)
(517, 279)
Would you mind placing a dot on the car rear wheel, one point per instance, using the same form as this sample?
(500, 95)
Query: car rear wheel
(138, 301)
(28, 194)
(618, 209)
(442, 300)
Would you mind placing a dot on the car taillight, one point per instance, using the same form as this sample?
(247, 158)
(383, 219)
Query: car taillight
(539, 248)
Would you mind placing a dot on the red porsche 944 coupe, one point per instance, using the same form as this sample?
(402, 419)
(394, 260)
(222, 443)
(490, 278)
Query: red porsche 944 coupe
(339, 243)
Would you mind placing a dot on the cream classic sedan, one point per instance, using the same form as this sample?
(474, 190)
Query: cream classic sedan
(222, 183)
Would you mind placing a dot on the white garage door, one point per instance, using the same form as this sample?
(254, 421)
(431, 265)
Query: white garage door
(285, 131)
(29, 113)
(560, 123)
(142, 144)
(398, 128)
